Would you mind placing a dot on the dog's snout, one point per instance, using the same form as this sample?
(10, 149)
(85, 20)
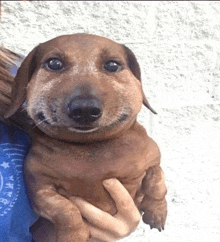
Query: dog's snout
(84, 111)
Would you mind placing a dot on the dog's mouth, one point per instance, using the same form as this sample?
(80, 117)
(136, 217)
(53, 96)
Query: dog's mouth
(52, 122)
(83, 129)
(78, 128)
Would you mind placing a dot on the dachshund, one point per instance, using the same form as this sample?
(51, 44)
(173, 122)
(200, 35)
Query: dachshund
(83, 93)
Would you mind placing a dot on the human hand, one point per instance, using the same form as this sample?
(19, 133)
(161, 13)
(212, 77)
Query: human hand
(105, 227)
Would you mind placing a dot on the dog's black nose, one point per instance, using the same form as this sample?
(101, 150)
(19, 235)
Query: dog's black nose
(84, 111)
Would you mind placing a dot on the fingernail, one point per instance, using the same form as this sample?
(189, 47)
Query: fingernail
(108, 182)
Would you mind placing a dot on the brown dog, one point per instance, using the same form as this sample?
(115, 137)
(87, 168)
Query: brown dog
(83, 92)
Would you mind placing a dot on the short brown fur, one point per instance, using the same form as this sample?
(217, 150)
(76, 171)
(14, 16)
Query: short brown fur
(66, 160)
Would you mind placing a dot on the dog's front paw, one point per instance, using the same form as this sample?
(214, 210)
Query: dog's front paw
(154, 221)
(155, 214)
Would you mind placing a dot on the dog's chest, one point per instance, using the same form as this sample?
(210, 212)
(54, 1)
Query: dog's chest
(79, 169)
(116, 158)
(123, 158)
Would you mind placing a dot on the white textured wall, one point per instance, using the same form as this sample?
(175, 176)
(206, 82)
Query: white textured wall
(178, 47)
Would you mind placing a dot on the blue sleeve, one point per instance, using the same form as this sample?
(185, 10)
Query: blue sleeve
(16, 215)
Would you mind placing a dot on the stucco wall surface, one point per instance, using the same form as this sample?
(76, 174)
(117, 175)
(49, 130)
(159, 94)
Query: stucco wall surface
(178, 47)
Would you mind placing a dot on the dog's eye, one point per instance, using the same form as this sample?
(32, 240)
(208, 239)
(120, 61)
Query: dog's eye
(112, 66)
(54, 64)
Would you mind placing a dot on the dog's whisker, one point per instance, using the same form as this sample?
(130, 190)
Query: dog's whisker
(24, 109)
(42, 121)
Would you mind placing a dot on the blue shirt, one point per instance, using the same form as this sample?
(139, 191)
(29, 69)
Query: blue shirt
(16, 215)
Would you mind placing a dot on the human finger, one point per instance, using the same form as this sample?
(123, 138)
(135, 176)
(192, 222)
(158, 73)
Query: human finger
(123, 200)
(92, 214)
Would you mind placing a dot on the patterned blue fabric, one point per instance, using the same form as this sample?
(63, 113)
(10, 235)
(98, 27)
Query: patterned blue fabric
(16, 215)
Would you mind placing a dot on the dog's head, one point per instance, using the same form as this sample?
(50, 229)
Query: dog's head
(80, 88)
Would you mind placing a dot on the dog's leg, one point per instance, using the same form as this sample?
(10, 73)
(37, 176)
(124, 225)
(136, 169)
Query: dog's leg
(154, 204)
(65, 216)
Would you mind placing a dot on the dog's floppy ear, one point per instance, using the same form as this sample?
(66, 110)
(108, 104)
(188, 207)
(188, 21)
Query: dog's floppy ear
(18, 93)
(135, 69)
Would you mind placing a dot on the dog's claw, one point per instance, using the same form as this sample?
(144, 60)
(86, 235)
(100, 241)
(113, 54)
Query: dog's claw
(153, 221)
(157, 227)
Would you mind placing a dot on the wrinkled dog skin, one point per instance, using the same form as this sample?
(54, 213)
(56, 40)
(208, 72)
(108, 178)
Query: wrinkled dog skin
(83, 93)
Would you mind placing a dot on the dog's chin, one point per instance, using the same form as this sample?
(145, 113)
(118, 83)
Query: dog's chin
(54, 128)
